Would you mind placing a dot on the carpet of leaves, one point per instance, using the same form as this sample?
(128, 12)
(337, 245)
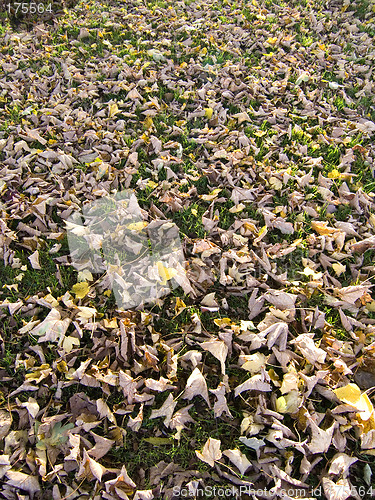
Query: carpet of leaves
(250, 124)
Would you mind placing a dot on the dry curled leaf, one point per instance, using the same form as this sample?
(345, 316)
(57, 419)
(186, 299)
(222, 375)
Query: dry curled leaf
(210, 452)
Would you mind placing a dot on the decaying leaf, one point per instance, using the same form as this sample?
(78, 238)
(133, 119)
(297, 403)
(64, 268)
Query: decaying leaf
(5, 423)
(220, 405)
(196, 386)
(351, 394)
(219, 349)
(341, 490)
(23, 482)
(166, 410)
(239, 459)
(210, 452)
(255, 383)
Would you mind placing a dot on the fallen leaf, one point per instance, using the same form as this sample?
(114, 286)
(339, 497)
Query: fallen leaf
(220, 405)
(34, 260)
(341, 490)
(5, 423)
(219, 349)
(351, 394)
(81, 289)
(166, 410)
(239, 459)
(341, 463)
(322, 228)
(196, 386)
(23, 481)
(210, 452)
(254, 383)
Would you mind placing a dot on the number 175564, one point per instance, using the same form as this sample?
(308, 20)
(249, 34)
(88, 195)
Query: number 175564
(29, 8)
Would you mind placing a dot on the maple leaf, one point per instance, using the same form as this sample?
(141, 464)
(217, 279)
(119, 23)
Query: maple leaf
(81, 289)
(23, 481)
(58, 436)
(165, 273)
(351, 394)
(196, 386)
(210, 452)
(336, 491)
(166, 410)
(254, 383)
(219, 349)
(239, 459)
(220, 405)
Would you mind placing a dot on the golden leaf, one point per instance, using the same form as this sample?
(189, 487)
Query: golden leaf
(148, 123)
(81, 289)
(113, 109)
(208, 112)
(321, 227)
(351, 394)
(165, 273)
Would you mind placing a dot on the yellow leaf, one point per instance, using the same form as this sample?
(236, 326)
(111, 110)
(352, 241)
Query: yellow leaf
(69, 343)
(137, 226)
(165, 273)
(110, 323)
(204, 51)
(351, 395)
(249, 226)
(61, 366)
(211, 196)
(208, 112)
(371, 307)
(281, 405)
(238, 208)
(180, 306)
(272, 40)
(113, 109)
(148, 123)
(334, 174)
(338, 268)
(321, 227)
(81, 289)
(262, 231)
(310, 272)
(107, 293)
(222, 322)
(51, 300)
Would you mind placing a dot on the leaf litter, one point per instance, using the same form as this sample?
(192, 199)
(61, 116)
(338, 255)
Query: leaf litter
(250, 125)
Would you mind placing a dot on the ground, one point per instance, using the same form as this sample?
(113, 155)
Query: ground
(250, 125)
